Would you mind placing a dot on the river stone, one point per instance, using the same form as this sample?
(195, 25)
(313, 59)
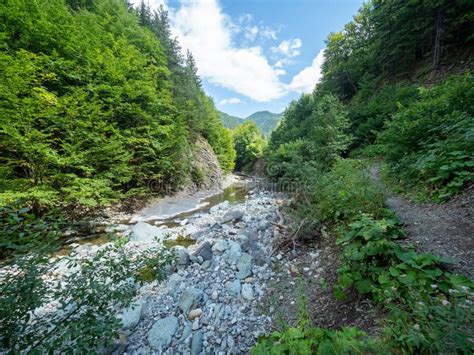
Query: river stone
(233, 216)
(144, 232)
(162, 332)
(189, 299)
(262, 225)
(234, 253)
(220, 246)
(131, 315)
(174, 280)
(247, 292)
(244, 265)
(259, 256)
(234, 287)
(204, 251)
(182, 260)
(196, 343)
(195, 313)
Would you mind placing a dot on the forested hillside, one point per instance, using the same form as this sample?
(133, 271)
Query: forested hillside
(397, 87)
(230, 121)
(96, 102)
(266, 121)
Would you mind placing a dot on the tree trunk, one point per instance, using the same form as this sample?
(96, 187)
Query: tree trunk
(438, 39)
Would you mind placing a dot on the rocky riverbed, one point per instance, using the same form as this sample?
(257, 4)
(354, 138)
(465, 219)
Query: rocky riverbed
(210, 303)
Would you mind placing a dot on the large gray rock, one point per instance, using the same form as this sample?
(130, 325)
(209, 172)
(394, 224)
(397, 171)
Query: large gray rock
(244, 265)
(234, 288)
(220, 206)
(196, 343)
(220, 246)
(189, 299)
(182, 257)
(144, 232)
(247, 292)
(262, 225)
(233, 216)
(174, 280)
(162, 332)
(259, 257)
(233, 254)
(131, 315)
(204, 251)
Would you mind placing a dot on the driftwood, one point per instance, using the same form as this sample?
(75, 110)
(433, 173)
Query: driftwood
(284, 240)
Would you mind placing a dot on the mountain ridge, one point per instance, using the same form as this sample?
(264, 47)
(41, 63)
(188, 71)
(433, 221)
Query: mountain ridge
(265, 120)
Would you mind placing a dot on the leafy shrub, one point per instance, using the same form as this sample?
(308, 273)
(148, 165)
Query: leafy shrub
(312, 340)
(345, 192)
(429, 309)
(86, 301)
(431, 141)
(305, 339)
(369, 116)
(22, 230)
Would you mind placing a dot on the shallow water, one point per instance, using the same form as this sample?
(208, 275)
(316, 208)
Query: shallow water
(191, 206)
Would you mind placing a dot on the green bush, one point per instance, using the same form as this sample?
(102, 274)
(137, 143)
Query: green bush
(345, 192)
(249, 144)
(431, 141)
(305, 339)
(87, 300)
(429, 310)
(21, 229)
(309, 139)
(312, 340)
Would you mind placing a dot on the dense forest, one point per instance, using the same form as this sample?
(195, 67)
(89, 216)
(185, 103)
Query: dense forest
(397, 86)
(97, 100)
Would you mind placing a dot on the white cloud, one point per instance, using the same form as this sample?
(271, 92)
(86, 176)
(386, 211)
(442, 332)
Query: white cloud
(305, 80)
(251, 33)
(268, 32)
(232, 100)
(288, 48)
(202, 27)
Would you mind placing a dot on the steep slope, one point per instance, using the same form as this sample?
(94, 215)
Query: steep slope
(230, 121)
(266, 121)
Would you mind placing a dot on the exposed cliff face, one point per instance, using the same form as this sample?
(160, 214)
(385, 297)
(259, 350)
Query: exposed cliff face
(206, 172)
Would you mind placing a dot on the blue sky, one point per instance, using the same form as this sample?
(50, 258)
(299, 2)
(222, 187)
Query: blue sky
(255, 55)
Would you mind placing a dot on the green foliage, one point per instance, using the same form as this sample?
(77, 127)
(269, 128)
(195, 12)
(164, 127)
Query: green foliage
(310, 137)
(345, 192)
(429, 309)
(248, 144)
(387, 40)
(304, 339)
(87, 300)
(431, 141)
(23, 231)
(369, 114)
(266, 121)
(96, 100)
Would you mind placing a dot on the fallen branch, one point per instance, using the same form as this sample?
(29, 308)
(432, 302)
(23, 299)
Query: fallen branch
(285, 241)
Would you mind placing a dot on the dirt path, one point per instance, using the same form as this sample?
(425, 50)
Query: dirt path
(445, 230)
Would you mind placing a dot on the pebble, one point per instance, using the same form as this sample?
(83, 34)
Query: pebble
(195, 313)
